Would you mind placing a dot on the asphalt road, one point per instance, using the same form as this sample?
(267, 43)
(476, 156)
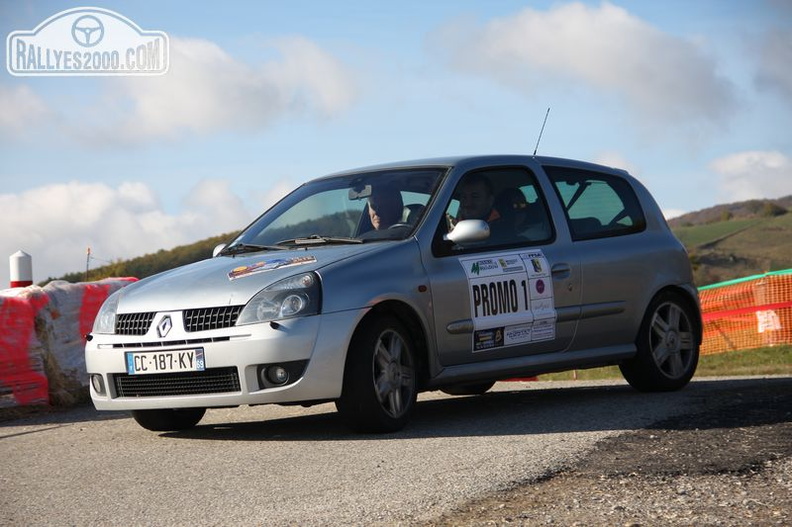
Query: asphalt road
(290, 465)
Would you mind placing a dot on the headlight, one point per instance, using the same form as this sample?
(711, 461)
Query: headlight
(297, 296)
(106, 318)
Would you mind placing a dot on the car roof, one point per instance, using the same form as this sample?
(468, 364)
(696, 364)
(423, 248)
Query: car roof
(475, 160)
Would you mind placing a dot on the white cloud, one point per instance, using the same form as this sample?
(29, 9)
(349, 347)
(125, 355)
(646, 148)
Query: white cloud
(20, 110)
(662, 76)
(775, 62)
(56, 223)
(223, 206)
(311, 77)
(275, 192)
(616, 160)
(673, 213)
(207, 90)
(753, 175)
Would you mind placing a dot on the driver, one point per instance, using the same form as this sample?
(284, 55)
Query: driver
(385, 207)
(476, 199)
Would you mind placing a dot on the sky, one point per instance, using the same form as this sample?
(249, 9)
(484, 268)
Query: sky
(692, 97)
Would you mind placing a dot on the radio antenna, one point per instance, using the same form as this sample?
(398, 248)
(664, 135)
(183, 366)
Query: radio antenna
(542, 130)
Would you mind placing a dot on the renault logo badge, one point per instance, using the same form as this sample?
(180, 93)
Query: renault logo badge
(164, 326)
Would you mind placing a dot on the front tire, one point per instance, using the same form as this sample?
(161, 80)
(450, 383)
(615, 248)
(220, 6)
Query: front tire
(168, 420)
(668, 347)
(380, 387)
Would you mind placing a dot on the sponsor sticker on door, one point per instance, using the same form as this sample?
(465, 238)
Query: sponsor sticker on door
(511, 299)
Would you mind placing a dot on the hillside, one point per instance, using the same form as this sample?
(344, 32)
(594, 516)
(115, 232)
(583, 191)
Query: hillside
(725, 242)
(737, 239)
(733, 211)
(154, 263)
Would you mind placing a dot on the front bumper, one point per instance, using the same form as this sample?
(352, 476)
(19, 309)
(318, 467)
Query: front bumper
(319, 341)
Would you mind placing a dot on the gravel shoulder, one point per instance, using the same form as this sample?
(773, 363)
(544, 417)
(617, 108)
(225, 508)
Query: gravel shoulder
(729, 465)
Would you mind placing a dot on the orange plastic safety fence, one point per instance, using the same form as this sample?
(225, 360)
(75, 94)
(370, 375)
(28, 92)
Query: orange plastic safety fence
(745, 314)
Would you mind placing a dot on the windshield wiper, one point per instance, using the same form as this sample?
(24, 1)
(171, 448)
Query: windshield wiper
(241, 248)
(315, 239)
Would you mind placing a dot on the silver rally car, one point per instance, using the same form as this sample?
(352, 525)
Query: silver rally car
(369, 286)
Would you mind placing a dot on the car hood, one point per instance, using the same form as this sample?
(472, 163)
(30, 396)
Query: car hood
(228, 280)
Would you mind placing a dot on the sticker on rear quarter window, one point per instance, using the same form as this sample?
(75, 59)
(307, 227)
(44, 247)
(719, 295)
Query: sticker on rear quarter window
(268, 265)
(511, 299)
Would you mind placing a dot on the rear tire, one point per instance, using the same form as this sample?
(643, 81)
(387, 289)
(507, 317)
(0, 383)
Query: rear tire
(668, 347)
(168, 420)
(478, 388)
(380, 385)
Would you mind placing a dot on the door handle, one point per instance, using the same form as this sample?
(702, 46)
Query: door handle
(561, 271)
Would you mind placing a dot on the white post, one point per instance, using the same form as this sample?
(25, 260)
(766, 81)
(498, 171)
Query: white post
(21, 264)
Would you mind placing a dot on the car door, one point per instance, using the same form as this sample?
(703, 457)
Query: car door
(608, 229)
(515, 294)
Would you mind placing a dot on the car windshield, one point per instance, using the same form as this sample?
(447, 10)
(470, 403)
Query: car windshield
(355, 208)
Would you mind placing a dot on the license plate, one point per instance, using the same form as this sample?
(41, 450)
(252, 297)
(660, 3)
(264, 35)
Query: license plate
(147, 362)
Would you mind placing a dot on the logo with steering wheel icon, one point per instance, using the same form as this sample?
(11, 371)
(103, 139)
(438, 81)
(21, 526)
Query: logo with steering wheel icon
(87, 41)
(87, 31)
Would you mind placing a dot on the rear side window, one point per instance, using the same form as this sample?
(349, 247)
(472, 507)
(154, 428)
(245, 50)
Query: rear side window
(596, 205)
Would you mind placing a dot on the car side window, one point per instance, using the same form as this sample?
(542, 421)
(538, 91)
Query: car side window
(596, 205)
(508, 199)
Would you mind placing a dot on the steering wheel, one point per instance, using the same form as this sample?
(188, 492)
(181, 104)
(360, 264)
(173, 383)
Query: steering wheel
(398, 225)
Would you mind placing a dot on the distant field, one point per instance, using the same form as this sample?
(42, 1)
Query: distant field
(700, 234)
(739, 247)
(770, 238)
(761, 361)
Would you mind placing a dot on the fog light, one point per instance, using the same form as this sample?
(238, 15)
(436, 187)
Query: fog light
(97, 383)
(280, 374)
(277, 374)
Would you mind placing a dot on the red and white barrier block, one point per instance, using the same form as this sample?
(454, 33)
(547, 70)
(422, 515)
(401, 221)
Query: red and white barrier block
(42, 339)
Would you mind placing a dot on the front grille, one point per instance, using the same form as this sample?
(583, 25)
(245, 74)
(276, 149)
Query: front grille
(133, 323)
(169, 343)
(211, 318)
(213, 380)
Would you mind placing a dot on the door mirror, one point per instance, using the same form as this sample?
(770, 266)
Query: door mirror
(469, 231)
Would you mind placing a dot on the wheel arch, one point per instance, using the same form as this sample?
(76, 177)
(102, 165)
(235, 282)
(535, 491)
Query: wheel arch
(662, 363)
(690, 297)
(418, 332)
